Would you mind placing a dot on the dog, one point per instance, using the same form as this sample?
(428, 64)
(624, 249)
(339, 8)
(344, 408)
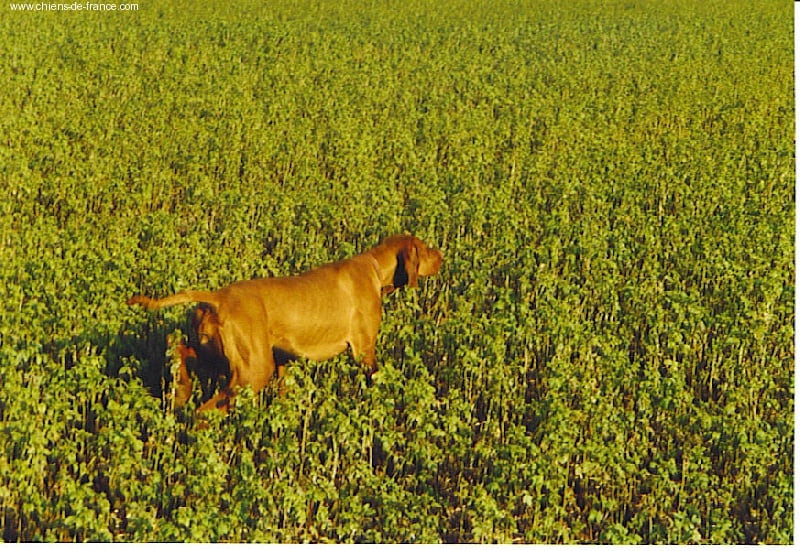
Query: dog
(200, 354)
(241, 329)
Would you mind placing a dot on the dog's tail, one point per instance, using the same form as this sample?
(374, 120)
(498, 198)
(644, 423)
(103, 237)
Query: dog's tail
(180, 298)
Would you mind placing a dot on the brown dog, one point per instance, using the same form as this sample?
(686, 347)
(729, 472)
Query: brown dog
(316, 315)
(201, 355)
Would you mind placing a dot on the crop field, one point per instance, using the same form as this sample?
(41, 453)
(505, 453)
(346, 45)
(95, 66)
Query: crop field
(606, 356)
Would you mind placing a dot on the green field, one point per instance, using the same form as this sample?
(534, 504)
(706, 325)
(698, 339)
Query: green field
(606, 355)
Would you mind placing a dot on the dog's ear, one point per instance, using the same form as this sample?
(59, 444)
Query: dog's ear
(407, 265)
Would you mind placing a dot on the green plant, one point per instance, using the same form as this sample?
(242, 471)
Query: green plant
(606, 356)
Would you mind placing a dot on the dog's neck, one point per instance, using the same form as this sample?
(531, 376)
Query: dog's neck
(385, 275)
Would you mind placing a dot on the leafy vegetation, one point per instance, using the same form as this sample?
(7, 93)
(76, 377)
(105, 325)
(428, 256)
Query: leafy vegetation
(606, 356)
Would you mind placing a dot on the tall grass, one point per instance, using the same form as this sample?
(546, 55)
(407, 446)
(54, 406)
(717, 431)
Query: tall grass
(606, 355)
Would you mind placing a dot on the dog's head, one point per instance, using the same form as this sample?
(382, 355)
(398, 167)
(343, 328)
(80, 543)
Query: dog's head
(414, 259)
(205, 330)
(209, 363)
